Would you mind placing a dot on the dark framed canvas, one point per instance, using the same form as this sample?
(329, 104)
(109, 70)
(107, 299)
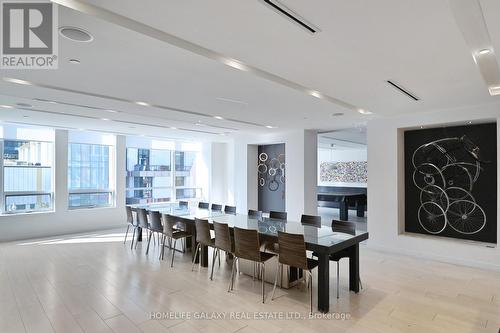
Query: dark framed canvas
(451, 182)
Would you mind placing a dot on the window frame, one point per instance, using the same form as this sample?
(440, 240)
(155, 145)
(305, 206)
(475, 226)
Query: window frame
(112, 188)
(4, 194)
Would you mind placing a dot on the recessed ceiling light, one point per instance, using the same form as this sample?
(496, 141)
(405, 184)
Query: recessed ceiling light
(218, 117)
(174, 128)
(105, 119)
(269, 126)
(17, 81)
(469, 122)
(315, 93)
(81, 129)
(142, 103)
(337, 114)
(235, 64)
(6, 106)
(25, 116)
(223, 134)
(24, 105)
(484, 51)
(76, 34)
(366, 112)
(111, 111)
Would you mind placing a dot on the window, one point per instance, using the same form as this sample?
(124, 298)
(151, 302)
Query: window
(149, 176)
(89, 175)
(27, 176)
(185, 175)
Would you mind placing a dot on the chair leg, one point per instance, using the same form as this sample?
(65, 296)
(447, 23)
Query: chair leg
(154, 240)
(173, 254)
(218, 255)
(338, 278)
(133, 237)
(149, 241)
(162, 254)
(214, 256)
(195, 254)
(126, 233)
(310, 291)
(263, 274)
(278, 272)
(231, 281)
(360, 284)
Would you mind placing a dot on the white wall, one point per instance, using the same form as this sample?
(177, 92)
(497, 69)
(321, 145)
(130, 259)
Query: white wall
(63, 220)
(219, 179)
(386, 190)
(301, 168)
(340, 155)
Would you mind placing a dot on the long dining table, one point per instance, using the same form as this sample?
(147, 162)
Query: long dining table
(323, 241)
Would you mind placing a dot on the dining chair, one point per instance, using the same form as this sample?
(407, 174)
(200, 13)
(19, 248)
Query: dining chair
(256, 214)
(230, 209)
(203, 205)
(292, 252)
(247, 246)
(223, 241)
(216, 207)
(142, 217)
(312, 220)
(155, 227)
(169, 231)
(203, 238)
(183, 204)
(277, 215)
(347, 228)
(130, 223)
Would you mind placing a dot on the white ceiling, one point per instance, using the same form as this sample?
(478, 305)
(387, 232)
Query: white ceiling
(361, 44)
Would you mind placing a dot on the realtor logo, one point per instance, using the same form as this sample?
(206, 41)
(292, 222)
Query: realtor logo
(29, 35)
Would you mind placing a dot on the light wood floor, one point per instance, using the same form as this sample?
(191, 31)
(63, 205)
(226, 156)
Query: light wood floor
(93, 283)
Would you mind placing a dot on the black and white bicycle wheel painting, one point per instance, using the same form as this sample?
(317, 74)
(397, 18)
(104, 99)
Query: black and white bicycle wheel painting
(451, 182)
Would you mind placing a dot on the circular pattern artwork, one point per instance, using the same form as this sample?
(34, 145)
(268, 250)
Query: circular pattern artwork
(445, 172)
(271, 171)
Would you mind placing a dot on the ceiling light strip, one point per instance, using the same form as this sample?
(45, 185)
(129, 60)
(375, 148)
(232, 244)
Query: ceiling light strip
(402, 90)
(160, 35)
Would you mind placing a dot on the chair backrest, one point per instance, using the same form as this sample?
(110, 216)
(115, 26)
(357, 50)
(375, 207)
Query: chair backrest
(216, 207)
(311, 220)
(223, 239)
(292, 250)
(277, 215)
(155, 221)
(202, 231)
(344, 226)
(246, 244)
(183, 203)
(203, 205)
(169, 223)
(142, 217)
(230, 209)
(130, 215)
(257, 214)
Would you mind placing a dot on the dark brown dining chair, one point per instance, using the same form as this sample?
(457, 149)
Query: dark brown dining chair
(155, 227)
(130, 223)
(142, 218)
(203, 205)
(292, 252)
(203, 238)
(277, 215)
(223, 241)
(216, 207)
(256, 214)
(312, 220)
(169, 231)
(183, 204)
(347, 228)
(247, 246)
(230, 209)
